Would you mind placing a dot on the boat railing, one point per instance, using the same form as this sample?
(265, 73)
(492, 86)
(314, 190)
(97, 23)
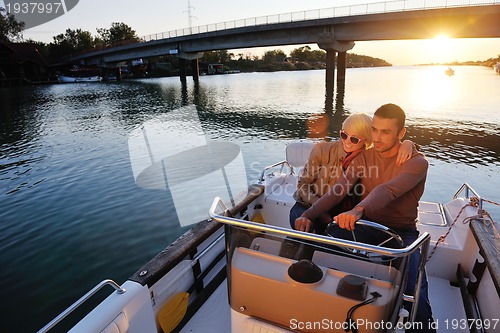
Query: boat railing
(468, 189)
(79, 302)
(282, 164)
(327, 240)
(218, 212)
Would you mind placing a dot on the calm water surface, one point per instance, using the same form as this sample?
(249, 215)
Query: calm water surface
(72, 215)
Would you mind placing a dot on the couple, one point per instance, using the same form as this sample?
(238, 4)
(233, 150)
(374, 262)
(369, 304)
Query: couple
(392, 181)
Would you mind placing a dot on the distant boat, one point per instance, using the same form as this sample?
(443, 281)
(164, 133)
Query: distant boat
(77, 74)
(497, 67)
(449, 71)
(74, 79)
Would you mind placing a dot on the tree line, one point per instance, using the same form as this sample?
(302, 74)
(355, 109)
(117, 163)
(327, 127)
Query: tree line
(74, 41)
(300, 58)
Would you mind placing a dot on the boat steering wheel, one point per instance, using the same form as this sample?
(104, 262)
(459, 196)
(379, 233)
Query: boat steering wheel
(392, 235)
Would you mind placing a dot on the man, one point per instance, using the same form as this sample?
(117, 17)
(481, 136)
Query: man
(390, 194)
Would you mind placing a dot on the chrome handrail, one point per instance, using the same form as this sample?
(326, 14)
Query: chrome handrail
(82, 300)
(468, 188)
(403, 252)
(418, 283)
(282, 163)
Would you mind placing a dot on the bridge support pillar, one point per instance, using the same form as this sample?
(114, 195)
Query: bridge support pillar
(182, 70)
(330, 78)
(194, 65)
(195, 68)
(328, 43)
(118, 73)
(341, 66)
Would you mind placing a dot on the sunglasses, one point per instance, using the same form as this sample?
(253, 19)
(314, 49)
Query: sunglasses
(345, 136)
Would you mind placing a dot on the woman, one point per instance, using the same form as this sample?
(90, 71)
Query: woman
(326, 163)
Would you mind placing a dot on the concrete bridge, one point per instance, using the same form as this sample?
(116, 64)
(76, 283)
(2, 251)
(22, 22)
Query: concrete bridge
(335, 30)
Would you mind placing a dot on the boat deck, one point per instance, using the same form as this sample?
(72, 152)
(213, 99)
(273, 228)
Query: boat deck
(214, 316)
(447, 305)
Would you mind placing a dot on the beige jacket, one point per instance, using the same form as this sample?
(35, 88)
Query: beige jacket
(321, 172)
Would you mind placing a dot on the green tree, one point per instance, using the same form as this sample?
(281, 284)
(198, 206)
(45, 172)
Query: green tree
(217, 57)
(72, 41)
(274, 56)
(301, 53)
(118, 32)
(356, 60)
(305, 53)
(10, 28)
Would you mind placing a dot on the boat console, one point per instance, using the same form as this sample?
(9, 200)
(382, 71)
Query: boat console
(290, 278)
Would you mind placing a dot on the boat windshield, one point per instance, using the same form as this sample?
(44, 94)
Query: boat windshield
(273, 272)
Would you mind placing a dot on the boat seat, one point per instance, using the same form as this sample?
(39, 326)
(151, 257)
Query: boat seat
(283, 186)
(431, 213)
(297, 153)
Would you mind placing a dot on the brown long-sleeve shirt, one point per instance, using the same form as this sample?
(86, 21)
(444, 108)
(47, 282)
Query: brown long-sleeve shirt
(390, 192)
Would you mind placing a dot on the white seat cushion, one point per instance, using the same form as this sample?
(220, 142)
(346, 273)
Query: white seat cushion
(297, 153)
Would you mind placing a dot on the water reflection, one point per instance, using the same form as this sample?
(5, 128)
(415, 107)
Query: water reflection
(466, 142)
(474, 144)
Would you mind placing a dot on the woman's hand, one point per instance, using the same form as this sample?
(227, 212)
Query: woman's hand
(303, 224)
(405, 152)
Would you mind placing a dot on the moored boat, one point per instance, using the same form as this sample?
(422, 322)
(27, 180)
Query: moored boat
(497, 67)
(75, 79)
(245, 270)
(80, 74)
(449, 71)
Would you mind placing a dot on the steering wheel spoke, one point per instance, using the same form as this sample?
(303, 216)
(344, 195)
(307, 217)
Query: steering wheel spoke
(391, 235)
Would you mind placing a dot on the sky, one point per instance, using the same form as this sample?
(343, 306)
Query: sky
(153, 16)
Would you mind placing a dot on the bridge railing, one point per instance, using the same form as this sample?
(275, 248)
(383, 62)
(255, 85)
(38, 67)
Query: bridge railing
(314, 14)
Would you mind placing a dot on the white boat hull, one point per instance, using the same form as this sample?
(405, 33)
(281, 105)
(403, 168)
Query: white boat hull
(74, 79)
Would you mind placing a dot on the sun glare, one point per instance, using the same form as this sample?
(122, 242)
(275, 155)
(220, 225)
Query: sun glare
(442, 37)
(435, 88)
(441, 49)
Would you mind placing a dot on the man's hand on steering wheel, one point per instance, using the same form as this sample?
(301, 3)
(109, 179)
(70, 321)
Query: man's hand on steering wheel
(348, 219)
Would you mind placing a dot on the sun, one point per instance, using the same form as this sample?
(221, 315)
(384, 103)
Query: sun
(441, 48)
(442, 37)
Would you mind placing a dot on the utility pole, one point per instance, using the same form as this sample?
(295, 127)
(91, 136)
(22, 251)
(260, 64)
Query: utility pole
(190, 17)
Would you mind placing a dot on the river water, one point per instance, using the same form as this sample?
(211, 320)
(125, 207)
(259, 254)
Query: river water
(72, 215)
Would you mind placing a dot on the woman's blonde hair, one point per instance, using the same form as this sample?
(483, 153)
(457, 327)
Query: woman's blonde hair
(361, 125)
